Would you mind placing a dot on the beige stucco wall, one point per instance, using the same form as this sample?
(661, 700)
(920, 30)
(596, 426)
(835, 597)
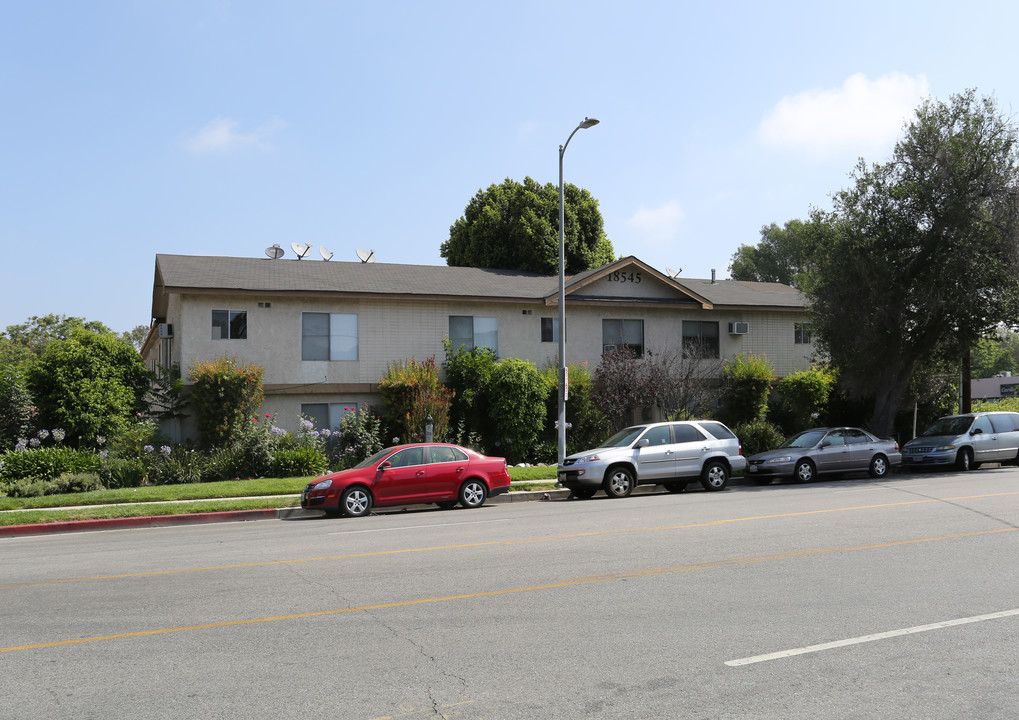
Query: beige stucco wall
(392, 330)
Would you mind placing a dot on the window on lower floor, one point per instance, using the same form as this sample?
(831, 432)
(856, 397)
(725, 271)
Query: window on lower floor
(801, 333)
(327, 415)
(622, 335)
(328, 336)
(229, 324)
(550, 329)
(470, 332)
(700, 338)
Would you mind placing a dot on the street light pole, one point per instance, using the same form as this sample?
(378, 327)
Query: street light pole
(563, 377)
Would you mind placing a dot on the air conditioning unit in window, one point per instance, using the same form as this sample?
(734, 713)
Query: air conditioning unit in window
(739, 328)
(165, 330)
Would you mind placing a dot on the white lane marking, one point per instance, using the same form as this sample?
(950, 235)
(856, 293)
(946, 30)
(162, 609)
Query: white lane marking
(870, 638)
(417, 527)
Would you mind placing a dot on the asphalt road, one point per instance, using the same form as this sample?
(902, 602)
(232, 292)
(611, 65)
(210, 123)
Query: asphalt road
(840, 599)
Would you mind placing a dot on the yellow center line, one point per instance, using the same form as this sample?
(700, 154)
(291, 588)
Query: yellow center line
(573, 582)
(493, 543)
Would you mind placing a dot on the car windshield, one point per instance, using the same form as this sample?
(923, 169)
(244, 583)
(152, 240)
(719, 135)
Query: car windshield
(949, 426)
(373, 459)
(624, 437)
(805, 439)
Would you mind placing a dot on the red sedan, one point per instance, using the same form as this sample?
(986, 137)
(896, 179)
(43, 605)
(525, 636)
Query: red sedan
(410, 474)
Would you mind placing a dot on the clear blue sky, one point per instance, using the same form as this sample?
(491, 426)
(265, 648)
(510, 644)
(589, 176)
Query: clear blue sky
(212, 127)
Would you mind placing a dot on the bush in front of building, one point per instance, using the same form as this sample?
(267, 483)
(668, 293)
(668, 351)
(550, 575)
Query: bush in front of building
(46, 463)
(358, 438)
(756, 436)
(411, 394)
(746, 383)
(586, 424)
(224, 396)
(517, 397)
(298, 462)
(469, 375)
(801, 398)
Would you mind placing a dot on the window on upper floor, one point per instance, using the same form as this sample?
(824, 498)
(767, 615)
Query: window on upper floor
(700, 338)
(229, 324)
(550, 329)
(327, 414)
(328, 336)
(470, 332)
(801, 333)
(622, 335)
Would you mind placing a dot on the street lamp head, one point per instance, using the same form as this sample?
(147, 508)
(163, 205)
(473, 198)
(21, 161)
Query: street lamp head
(589, 122)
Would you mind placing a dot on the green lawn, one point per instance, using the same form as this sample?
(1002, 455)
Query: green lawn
(198, 497)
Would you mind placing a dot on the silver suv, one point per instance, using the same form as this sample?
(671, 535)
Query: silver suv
(965, 441)
(668, 454)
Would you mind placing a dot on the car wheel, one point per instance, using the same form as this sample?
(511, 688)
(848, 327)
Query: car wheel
(619, 482)
(964, 460)
(473, 494)
(447, 504)
(878, 466)
(583, 493)
(355, 502)
(675, 487)
(715, 475)
(804, 471)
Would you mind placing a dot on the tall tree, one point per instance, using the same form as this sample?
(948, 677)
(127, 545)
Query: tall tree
(88, 384)
(515, 226)
(779, 257)
(24, 343)
(922, 253)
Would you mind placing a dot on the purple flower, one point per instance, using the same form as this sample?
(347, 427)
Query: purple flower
(43, 434)
(59, 434)
(148, 448)
(165, 449)
(34, 442)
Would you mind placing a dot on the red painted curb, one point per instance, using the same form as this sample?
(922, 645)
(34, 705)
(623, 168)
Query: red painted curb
(148, 521)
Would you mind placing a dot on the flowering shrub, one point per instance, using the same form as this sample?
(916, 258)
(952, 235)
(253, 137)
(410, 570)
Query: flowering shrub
(225, 395)
(178, 466)
(411, 392)
(359, 437)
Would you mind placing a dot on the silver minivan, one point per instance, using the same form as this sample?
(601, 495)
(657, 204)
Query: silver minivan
(965, 441)
(667, 453)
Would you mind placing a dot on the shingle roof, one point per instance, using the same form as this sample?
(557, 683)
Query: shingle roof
(199, 273)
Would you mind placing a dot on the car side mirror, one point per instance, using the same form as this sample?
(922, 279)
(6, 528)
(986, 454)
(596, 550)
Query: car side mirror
(643, 442)
(385, 465)
(825, 444)
(976, 431)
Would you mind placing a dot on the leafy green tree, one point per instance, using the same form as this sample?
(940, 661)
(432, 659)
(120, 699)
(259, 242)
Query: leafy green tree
(515, 226)
(995, 355)
(746, 383)
(136, 337)
(779, 257)
(20, 344)
(922, 252)
(16, 407)
(224, 396)
(89, 384)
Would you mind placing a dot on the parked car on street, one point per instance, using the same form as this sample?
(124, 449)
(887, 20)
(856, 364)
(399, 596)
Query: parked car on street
(965, 441)
(420, 473)
(666, 453)
(821, 451)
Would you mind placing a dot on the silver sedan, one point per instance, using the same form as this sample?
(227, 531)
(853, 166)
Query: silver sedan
(822, 451)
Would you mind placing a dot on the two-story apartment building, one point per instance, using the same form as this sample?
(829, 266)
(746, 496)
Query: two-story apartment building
(325, 332)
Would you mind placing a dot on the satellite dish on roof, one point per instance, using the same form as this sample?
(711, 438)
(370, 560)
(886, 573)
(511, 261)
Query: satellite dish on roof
(366, 256)
(300, 249)
(324, 252)
(275, 252)
(673, 273)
